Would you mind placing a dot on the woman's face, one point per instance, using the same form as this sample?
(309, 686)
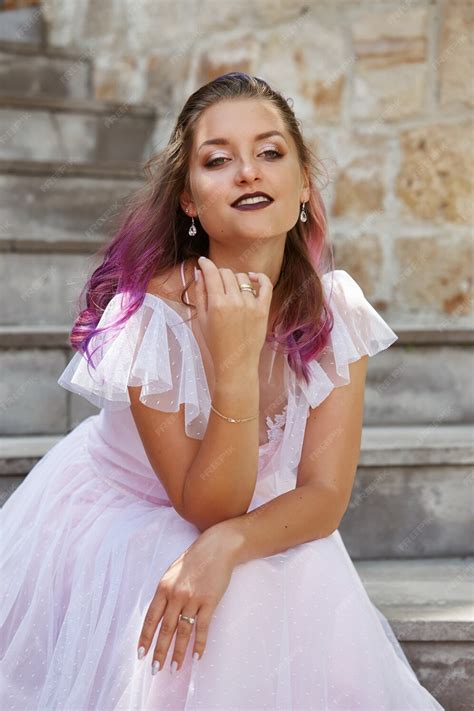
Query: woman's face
(221, 173)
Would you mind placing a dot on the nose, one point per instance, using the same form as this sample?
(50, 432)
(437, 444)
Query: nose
(247, 171)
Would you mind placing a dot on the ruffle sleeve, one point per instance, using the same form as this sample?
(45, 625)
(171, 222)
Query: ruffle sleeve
(358, 330)
(155, 349)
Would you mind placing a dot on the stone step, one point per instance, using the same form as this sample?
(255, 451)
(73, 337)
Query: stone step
(22, 25)
(32, 70)
(38, 308)
(429, 605)
(413, 492)
(412, 495)
(74, 130)
(61, 206)
(31, 373)
(26, 336)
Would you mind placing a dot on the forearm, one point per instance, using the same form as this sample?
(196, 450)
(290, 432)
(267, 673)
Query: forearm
(221, 480)
(297, 516)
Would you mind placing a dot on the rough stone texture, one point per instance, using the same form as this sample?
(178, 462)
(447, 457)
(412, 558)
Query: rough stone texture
(46, 287)
(446, 670)
(362, 256)
(382, 91)
(113, 135)
(390, 73)
(389, 93)
(422, 384)
(308, 67)
(79, 410)
(22, 24)
(8, 484)
(399, 32)
(35, 74)
(56, 205)
(31, 400)
(409, 512)
(429, 606)
(435, 181)
(406, 386)
(359, 187)
(455, 62)
(435, 274)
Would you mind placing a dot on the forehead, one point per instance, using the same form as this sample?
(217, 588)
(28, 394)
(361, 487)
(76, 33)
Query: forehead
(237, 119)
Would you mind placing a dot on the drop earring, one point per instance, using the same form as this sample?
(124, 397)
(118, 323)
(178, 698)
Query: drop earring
(303, 215)
(192, 230)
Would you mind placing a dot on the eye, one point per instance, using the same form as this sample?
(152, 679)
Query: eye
(213, 163)
(271, 150)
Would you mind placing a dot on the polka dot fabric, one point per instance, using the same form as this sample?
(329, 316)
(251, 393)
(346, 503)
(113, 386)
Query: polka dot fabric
(89, 533)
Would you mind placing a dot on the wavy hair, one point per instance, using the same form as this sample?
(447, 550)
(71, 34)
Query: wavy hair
(152, 236)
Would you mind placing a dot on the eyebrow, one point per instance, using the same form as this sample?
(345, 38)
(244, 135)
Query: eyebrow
(225, 142)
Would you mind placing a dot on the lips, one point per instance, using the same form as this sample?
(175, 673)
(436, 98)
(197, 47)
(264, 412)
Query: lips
(251, 195)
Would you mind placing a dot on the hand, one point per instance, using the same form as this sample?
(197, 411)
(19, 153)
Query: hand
(233, 322)
(193, 585)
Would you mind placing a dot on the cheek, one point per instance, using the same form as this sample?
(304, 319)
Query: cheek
(288, 213)
(211, 191)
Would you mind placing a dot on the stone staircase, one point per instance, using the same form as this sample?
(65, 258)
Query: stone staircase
(66, 163)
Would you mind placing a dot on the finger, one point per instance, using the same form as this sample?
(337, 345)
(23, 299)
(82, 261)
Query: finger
(266, 287)
(152, 618)
(204, 618)
(243, 278)
(230, 281)
(167, 630)
(212, 280)
(183, 634)
(200, 294)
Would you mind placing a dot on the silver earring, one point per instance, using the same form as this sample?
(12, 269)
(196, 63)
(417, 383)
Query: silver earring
(303, 215)
(192, 230)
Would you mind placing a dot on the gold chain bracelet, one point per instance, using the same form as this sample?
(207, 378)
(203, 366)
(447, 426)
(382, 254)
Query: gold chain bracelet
(232, 419)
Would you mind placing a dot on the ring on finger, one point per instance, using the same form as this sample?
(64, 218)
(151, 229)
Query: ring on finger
(245, 286)
(191, 620)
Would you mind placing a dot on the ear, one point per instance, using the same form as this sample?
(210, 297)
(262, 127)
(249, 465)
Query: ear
(187, 205)
(305, 188)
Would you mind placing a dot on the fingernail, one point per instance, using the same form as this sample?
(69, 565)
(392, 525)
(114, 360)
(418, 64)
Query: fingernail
(252, 273)
(141, 652)
(155, 667)
(174, 666)
(202, 257)
(196, 657)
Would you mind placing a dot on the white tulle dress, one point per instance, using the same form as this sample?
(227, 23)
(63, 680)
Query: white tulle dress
(87, 536)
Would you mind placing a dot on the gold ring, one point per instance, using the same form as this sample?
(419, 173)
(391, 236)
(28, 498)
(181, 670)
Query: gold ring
(247, 287)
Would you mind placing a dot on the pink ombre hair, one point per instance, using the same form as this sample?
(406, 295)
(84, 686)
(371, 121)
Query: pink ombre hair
(152, 236)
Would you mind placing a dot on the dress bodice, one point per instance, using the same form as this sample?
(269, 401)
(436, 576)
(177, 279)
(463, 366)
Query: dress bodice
(157, 349)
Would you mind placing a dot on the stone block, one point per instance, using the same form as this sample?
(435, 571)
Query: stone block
(37, 73)
(58, 206)
(455, 60)
(435, 180)
(31, 401)
(435, 277)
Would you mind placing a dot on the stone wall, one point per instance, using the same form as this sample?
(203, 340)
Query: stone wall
(385, 95)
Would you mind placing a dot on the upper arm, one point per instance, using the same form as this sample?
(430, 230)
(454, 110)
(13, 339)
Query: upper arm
(331, 446)
(168, 448)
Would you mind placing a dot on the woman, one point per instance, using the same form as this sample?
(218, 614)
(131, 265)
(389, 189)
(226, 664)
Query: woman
(191, 526)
